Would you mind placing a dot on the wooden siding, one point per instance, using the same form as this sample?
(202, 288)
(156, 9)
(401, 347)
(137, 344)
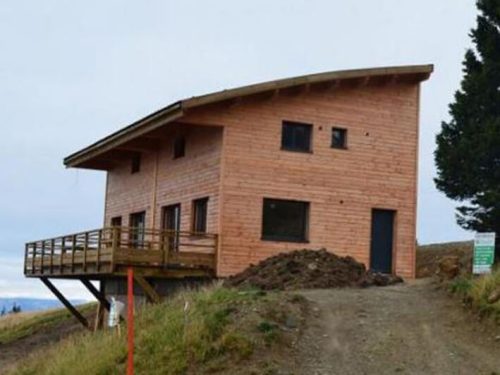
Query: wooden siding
(163, 180)
(377, 170)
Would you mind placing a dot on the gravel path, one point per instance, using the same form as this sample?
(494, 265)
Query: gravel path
(403, 329)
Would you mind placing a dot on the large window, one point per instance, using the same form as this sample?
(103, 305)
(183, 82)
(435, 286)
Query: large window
(137, 223)
(171, 223)
(285, 220)
(200, 215)
(296, 136)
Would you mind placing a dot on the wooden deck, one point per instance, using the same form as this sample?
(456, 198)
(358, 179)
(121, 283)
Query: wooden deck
(109, 251)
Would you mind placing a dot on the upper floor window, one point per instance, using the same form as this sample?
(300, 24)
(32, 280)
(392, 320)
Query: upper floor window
(339, 138)
(296, 136)
(136, 163)
(285, 220)
(200, 211)
(179, 147)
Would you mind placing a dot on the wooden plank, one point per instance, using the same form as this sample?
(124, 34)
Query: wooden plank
(97, 294)
(63, 244)
(148, 289)
(43, 256)
(73, 250)
(99, 244)
(65, 302)
(85, 246)
(26, 249)
(52, 244)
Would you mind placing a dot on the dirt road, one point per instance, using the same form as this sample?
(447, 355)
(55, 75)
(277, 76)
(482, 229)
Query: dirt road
(403, 329)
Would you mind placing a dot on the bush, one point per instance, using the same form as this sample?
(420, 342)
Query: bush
(476, 291)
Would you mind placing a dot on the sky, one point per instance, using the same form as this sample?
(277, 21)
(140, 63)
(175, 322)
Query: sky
(73, 72)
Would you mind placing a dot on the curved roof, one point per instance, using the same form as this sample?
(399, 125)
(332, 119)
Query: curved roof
(177, 109)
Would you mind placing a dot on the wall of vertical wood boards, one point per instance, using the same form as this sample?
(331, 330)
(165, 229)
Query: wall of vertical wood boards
(196, 175)
(378, 170)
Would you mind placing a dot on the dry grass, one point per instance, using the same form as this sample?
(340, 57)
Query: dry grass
(219, 329)
(476, 290)
(16, 326)
(429, 256)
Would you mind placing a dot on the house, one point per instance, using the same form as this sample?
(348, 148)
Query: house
(210, 184)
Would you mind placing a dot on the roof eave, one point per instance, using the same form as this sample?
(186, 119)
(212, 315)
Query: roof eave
(140, 127)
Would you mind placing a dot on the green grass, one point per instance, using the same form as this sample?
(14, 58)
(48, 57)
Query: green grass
(17, 326)
(195, 332)
(476, 290)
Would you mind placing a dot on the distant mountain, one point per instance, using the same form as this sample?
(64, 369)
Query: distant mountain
(33, 304)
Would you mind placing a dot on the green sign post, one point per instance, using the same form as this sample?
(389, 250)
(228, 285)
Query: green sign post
(484, 253)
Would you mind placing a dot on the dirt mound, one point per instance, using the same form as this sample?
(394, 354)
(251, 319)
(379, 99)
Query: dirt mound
(308, 269)
(429, 257)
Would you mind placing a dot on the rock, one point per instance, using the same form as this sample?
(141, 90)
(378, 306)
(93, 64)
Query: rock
(291, 322)
(449, 267)
(494, 296)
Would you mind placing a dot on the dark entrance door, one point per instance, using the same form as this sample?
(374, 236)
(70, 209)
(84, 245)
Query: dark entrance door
(172, 224)
(382, 240)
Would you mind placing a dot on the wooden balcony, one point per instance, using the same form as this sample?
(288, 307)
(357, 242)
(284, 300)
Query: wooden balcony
(109, 251)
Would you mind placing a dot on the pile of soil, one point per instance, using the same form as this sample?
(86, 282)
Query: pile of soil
(433, 258)
(309, 269)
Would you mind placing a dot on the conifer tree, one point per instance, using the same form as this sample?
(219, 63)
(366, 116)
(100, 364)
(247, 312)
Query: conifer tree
(468, 146)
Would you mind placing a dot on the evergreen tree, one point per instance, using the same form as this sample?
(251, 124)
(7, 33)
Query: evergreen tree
(468, 146)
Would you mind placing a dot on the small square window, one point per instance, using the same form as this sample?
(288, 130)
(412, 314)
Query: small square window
(179, 147)
(136, 163)
(339, 138)
(285, 220)
(200, 211)
(296, 136)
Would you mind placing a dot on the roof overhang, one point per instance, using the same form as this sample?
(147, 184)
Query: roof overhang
(175, 111)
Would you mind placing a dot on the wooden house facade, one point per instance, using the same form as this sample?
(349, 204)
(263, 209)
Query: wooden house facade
(210, 184)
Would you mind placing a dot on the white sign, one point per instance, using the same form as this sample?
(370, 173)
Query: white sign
(115, 310)
(484, 253)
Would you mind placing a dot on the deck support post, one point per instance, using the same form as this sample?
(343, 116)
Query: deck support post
(96, 293)
(65, 302)
(151, 294)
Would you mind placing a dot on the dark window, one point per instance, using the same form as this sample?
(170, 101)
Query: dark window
(339, 138)
(296, 136)
(136, 163)
(200, 215)
(116, 221)
(137, 225)
(285, 220)
(172, 225)
(179, 147)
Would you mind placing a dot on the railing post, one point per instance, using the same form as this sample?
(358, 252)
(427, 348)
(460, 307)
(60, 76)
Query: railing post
(216, 253)
(99, 243)
(85, 245)
(43, 256)
(115, 232)
(63, 250)
(26, 247)
(73, 250)
(52, 244)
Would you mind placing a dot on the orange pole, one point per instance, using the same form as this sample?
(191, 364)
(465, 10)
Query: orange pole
(130, 320)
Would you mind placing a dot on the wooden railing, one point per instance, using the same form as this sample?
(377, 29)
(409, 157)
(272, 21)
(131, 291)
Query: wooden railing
(107, 250)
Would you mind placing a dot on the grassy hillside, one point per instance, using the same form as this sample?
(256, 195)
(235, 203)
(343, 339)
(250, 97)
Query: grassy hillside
(216, 330)
(16, 326)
